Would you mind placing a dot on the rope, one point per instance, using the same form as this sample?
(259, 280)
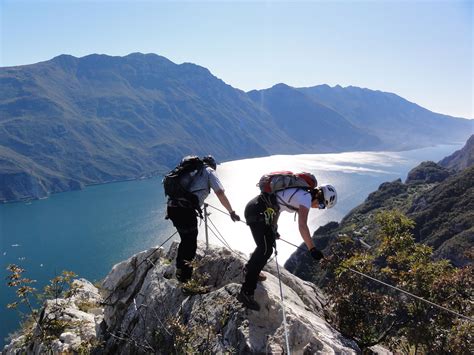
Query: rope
(396, 288)
(282, 305)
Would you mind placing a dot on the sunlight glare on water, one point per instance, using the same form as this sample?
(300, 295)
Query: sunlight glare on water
(241, 177)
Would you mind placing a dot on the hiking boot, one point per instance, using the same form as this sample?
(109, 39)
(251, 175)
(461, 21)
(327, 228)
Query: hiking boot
(248, 301)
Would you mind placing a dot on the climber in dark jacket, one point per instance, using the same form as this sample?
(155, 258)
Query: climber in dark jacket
(262, 217)
(183, 215)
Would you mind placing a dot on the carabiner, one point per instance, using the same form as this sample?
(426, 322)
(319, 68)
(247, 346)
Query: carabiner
(269, 213)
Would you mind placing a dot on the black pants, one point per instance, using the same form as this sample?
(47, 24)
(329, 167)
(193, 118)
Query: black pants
(185, 221)
(264, 237)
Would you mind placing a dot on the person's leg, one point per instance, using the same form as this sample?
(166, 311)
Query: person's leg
(185, 221)
(264, 239)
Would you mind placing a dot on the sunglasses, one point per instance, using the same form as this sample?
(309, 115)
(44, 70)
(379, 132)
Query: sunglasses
(320, 197)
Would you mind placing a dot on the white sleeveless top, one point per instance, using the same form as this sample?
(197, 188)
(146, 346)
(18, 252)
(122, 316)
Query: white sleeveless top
(293, 197)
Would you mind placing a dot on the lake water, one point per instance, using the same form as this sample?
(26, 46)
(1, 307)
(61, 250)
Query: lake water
(91, 230)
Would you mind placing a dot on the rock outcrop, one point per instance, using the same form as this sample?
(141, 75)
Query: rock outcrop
(65, 325)
(144, 309)
(149, 311)
(427, 172)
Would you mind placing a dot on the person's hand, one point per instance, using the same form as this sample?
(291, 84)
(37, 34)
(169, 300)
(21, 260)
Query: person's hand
(316, 254)
(234, 216)
(277, 235)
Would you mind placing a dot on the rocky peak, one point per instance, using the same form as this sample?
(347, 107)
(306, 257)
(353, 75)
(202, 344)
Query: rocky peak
(427, 172)
(146, 310)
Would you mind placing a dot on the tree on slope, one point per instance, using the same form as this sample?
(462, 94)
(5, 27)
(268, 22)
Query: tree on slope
(372, 313)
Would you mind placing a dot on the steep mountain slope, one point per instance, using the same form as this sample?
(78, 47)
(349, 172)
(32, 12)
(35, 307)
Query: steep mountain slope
(440, 201)
(397, 122)
(310, 123)
(70, 122)
(460, 159)
(73, 121)
(444, 217)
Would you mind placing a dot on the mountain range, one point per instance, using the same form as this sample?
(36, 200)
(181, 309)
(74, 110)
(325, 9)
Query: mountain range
(70, 122)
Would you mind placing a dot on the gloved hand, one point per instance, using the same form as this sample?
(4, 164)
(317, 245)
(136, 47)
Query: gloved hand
(316, 254)
(277, 235)
(234, 217)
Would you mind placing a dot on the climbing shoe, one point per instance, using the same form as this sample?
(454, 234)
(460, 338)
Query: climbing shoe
(248, 301)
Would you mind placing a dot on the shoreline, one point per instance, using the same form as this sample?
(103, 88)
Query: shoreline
(157, 174)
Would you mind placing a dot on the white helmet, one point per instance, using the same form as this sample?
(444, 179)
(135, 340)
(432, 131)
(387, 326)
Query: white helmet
(330, 195)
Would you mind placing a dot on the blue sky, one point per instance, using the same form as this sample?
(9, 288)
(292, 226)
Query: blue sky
(420, 50)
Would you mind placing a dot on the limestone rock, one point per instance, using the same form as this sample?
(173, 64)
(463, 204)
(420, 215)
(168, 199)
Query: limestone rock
(147, 311)
(143, 309)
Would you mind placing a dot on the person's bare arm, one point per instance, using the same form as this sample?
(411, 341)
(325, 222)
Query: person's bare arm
(303, 226)
(224, 200)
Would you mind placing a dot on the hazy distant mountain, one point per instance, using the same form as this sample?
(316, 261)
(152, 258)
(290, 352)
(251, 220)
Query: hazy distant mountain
(316, 126)
(400, 124)
(69, 122)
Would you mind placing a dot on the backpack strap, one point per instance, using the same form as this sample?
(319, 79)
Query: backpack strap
(194, 204)
(280, 200)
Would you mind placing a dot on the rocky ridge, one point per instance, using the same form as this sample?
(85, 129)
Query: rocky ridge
(146, 310)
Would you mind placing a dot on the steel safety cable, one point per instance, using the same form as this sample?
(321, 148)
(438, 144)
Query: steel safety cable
(282, 305)
(396, 288)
